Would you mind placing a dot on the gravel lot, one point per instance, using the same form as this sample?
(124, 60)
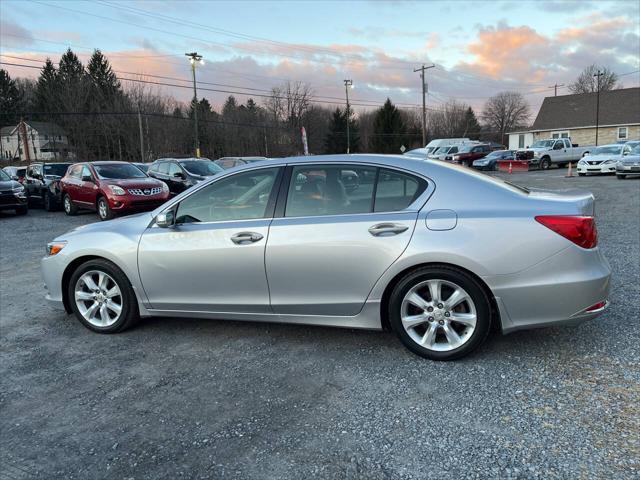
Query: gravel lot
(210, 399)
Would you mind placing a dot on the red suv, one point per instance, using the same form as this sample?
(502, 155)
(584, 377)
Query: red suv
(110, 188)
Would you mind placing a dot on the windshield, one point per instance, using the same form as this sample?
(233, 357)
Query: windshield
(608, 150)
(58, 169)
(636, 150)
(543, 144)
(142, 166)
(118, 170)
(3, 176)
(204, 168)
(497, 154)
(466, 148)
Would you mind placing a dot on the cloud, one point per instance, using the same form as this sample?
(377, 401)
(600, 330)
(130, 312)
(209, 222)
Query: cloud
(14, 35)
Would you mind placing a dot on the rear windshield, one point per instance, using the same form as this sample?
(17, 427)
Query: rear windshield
(204, 168)
(58, 169)
(608, 150)
(122, 170)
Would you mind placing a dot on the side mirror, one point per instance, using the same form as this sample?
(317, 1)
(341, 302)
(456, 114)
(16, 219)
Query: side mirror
(15, 177)
(166, 219)
(178, 175)
(87, 178)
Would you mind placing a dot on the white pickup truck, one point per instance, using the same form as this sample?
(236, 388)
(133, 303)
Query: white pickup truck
(555, 151)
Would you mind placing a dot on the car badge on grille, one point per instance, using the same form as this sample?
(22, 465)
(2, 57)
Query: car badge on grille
(147, 191)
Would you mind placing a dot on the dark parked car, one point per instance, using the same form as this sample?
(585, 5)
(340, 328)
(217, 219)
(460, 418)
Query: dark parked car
(12, 196)
(230, 162)
(16, 173)
(468, 153)
(110, 188)
(142, 166)
(42, 184)
(490, 161)
(182, 173)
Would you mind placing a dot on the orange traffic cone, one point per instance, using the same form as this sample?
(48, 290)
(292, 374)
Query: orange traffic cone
(569, 173)
(510, 168)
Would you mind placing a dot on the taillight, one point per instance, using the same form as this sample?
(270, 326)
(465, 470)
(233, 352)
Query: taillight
(580, 230)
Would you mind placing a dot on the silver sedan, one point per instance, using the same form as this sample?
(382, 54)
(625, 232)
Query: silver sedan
(435, 252)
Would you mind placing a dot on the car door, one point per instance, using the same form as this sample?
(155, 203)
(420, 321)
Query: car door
(87, 187)
(328, 245)
(212, 259)
(71, 181)
(33, 181)
(178, 177)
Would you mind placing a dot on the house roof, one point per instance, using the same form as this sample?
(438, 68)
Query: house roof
(46, 128)
(617, 107)
(7, 130)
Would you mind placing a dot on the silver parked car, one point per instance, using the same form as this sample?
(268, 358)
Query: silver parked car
(436, 252)
(629, 164)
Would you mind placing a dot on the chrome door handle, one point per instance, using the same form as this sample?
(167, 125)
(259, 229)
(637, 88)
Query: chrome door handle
(243, 238)
(386, 229)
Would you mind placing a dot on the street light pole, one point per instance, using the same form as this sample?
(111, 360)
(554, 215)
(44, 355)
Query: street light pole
(193, 58)
(597, 75)
(422, 71)
(348, 83)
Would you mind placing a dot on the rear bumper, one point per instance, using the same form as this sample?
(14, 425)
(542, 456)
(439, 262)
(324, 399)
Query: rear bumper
(555, 292)
(628, 169)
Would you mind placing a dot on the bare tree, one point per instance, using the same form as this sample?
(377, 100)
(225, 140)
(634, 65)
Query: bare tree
(587, 81)
(505, 111)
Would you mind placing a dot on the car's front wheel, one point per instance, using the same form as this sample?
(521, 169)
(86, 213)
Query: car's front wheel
(440, 312)
(69, 207)
(102, 297)
(621, 176)
(104, 211)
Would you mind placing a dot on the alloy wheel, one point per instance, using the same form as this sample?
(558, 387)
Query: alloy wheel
(438, 315)
(67, 204)
(102, 209)
(98, 298)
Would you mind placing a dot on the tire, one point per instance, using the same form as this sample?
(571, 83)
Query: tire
(47, 202)
(440, 320)
(621, 176)
(581, 174)
(545, 163)
(22, 210)
(69, 207)
(99, 313)
(104, 211)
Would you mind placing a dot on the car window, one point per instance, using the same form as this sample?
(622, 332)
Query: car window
(174, 168)
(396, 191)
(164, 168)
(330, 190)
(239, 197)
(75, 171)
(85, 172)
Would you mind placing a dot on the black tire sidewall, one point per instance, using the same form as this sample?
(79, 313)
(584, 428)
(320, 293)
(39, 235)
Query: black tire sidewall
(129, 312)
(46, 202)
(468, 283)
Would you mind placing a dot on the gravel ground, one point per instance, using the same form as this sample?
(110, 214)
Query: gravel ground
(210, 399)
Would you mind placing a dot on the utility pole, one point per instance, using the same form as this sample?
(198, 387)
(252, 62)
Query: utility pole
(193, 58)
(597, 75)
(141, 135)
(348, 83)
(422, 71)
(555, 88)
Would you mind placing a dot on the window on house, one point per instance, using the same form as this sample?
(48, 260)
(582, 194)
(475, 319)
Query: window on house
(520, 141)
(46, 137)
(622, 133)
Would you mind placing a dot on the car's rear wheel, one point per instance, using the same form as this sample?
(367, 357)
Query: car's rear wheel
(47, 202)
(69, 207)
(104, 211)
(621, 176)
(102, 297)
(440, 312)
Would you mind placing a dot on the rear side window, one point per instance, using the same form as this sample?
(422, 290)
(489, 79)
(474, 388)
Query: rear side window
(349, 189)
(173, 169)
(396, 191)
(163, 168)
(75, 171)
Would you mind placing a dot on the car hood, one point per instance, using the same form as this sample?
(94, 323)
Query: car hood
(130, 223)
(133, 182)
(7, 185)
(600, 158)
(630, 159)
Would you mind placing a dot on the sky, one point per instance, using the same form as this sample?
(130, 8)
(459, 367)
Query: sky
(479, 48)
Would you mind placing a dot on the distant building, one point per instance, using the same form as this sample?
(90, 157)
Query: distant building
(574, 116)
(34, 141)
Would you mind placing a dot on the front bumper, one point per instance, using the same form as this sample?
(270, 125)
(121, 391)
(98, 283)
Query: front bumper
(136, 203)
(9, 201)
(602, 168)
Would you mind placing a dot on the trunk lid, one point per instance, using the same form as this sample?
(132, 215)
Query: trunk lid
(571, 201)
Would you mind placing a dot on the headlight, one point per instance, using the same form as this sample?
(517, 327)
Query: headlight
(456, 157)
(54, 248)
(536, 154)
(582, 162)
(165, 188)
(607, 162)
(116, 190)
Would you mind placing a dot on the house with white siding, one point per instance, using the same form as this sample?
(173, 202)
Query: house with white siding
(33, 142)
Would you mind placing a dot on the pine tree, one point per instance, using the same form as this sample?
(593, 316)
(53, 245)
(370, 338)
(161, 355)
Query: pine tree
(47, 88)
(104, 82)
(336, 138)
(11, 101)
(70, 68)
(389, 129)
(472, 126)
